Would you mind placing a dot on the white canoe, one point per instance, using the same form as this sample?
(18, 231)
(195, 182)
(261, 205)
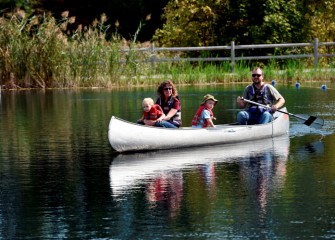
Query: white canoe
(127, 136)
(130, 170)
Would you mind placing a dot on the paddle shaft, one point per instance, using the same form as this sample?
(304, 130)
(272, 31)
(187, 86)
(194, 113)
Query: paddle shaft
(310, 121)
(262, 105)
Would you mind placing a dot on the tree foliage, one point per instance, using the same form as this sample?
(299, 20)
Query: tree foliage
(207, 22)
(321, 20)
(189, 23)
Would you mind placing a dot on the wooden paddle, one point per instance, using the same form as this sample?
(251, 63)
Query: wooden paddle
(310, 121)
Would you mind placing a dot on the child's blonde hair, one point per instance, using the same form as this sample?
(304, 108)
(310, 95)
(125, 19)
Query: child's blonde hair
(150, 101)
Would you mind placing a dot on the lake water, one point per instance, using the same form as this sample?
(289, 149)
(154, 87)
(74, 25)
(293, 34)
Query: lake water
(61, 179)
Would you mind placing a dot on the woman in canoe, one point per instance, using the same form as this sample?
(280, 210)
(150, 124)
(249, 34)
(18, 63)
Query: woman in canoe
(169, 101)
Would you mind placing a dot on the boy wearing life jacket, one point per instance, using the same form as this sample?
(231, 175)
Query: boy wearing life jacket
(262, 93)
(153, 113)
(204, 116)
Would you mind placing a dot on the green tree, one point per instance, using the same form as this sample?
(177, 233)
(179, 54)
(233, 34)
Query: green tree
(321, 24)
(189, 23)
(283, 21)
(321, 20)
(235, 19)
(206, 22)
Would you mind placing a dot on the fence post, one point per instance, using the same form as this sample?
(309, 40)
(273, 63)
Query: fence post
(232, 56)
(152, 54)
(316, 52)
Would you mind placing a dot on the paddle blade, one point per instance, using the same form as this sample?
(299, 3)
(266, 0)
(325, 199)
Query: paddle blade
(311, 121)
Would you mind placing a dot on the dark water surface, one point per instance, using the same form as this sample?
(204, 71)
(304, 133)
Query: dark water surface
(59, 177)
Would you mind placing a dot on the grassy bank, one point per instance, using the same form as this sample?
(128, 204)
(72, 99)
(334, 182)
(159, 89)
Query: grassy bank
(38, 52)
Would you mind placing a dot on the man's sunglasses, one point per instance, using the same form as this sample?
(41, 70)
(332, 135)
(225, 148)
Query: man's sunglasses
(256, 75)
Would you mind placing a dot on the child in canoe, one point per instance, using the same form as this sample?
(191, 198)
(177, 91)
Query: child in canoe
(153, 115)
(204, 116)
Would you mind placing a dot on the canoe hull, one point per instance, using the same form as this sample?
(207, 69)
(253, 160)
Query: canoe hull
(126, 136)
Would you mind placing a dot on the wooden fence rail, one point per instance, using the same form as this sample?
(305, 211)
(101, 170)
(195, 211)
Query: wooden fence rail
(315, 45)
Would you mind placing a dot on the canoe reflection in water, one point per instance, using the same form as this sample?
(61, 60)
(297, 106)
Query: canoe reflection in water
(161, 174)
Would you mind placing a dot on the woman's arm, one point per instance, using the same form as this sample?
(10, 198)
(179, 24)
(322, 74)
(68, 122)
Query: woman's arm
(170, 114)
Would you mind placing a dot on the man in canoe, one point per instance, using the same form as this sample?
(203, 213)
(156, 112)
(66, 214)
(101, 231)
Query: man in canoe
(153, 114)
(261, 93)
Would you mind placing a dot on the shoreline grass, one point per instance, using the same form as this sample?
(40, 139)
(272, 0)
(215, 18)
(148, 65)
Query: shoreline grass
(38, 52)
